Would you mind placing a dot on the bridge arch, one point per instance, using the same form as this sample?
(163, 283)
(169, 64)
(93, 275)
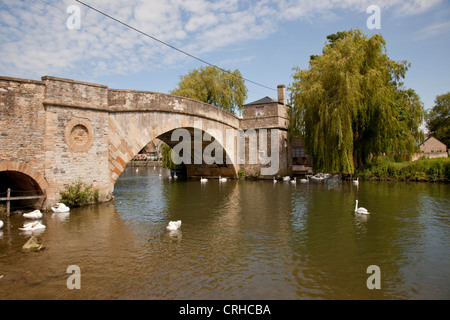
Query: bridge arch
(138, 117)
(23, 180)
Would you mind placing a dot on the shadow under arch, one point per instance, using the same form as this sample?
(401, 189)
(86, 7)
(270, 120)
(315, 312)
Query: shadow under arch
(22, 180)
(198, 167)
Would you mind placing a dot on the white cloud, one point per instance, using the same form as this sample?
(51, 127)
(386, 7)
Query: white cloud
(434, 30)
(34, 39)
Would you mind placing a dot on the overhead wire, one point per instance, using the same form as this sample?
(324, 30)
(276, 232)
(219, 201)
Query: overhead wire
(169, 45)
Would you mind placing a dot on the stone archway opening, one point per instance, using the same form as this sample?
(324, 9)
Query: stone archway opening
(198, 165)
(24, 191)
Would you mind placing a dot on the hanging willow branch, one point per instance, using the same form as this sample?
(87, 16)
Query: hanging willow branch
(349, 105)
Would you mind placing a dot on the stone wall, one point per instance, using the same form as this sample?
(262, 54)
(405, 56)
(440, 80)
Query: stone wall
(22, 127)
(76, 141)
(270, 116)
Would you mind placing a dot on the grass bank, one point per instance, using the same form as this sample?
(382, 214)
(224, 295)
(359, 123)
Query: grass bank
(433, 170)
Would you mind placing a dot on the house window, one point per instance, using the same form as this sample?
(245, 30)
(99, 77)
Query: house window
(298, 152)
(260, 111)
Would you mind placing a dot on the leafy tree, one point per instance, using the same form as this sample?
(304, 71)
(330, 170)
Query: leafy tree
(438, 119)
(166, 153)
(221, 88)
(350, 104)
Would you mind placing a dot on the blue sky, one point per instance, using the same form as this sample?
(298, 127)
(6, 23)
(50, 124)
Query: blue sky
(263, 39)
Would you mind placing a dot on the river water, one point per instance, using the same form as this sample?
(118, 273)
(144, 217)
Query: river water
(238, 240)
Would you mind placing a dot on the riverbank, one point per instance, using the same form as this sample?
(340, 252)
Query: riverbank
(145, 163)
(431, 170)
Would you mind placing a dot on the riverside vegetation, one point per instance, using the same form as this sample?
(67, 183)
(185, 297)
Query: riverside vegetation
(387, 169)
(78, 194)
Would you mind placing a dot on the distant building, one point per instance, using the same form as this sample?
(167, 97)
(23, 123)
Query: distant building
(431, 148)
(301, 161)
(432, 145)
(268, 112)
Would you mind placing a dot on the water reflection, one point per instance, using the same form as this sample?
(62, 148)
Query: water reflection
(238, 240)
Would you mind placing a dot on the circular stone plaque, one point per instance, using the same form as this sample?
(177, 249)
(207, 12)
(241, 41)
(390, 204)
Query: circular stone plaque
(79, 135)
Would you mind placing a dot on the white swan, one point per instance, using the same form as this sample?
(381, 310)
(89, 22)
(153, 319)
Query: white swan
(304, 180)
(203, 179)
(36, 214)
(360, 210)
(60, 207)
(1, 224)
(274, 180)
(222, 179)
(32, 226)
(174, 225)
(294, 181)
(356, 181)
(287, 178)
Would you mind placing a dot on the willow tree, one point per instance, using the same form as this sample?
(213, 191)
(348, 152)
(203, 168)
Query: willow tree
(350, 104)
(222, 88)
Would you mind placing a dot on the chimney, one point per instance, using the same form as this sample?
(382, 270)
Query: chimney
(281, 88)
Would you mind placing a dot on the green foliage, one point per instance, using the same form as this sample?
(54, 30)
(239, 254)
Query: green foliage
(438, 119)
(420, 170)
(241, 173)
(78, 194)
(349, 105)
(221, 88)
(167, 162)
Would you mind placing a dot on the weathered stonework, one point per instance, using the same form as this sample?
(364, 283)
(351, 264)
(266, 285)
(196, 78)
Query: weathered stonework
(59, 130)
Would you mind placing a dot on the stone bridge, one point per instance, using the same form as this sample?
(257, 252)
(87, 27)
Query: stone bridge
(55, 131)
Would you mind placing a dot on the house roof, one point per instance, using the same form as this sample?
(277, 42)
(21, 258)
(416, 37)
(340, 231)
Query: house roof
(262, 101)
(429, 138)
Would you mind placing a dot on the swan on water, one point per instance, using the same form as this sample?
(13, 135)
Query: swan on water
(203, 179)
(222, 179)
(174, 225)
(60, 207)
(1, 224)
(356, 181)
(294, 181)
(36, 214)
(304, 180)
(360, 210)
(287, 178)
(274, 180)
(32, 226)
